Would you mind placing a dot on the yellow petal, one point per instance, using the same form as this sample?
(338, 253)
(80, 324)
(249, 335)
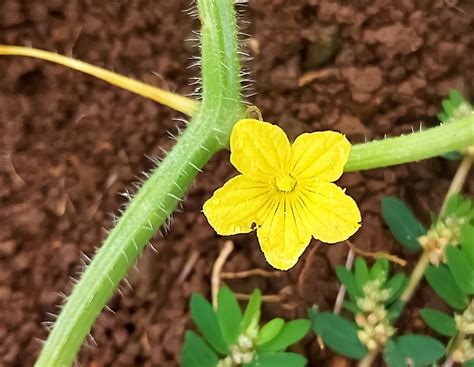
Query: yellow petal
(259, 148)
(282, 237)
(320, 155)
(333, 214)
(237, 207)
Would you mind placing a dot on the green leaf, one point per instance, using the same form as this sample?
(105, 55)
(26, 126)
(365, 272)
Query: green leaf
(453, 203)
(448, 107)
(196, 353)
(396, 285)
(452, 156)
(467, 242)
(228, 315)
(206, 320)
(337, 333)
(395, 310)
(347, 278)
(380, 270)
(464, 208)
(290, 333)
(421, 350)
(461, 270)
(443, 283)
(252, 312)
(402, 223)
(351, 306)
(456, 98)
(361, 271)
(469, 363)
(270, 330)
(440, 322)
(442, 116)
(277, 360)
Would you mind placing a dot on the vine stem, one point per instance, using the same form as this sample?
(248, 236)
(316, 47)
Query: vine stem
(454, 136)
(206, 133)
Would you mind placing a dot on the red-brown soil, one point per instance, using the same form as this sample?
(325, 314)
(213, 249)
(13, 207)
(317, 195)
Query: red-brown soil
(69, 144)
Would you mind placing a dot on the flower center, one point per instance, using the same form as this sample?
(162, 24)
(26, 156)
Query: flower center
(285, 182)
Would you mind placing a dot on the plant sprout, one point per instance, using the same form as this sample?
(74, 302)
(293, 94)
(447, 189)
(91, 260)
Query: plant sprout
(234, 339)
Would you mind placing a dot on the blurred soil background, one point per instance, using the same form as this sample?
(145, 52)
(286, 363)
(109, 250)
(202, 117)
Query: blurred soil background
(69, 144)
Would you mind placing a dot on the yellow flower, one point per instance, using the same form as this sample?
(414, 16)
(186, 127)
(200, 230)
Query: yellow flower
(284, 191)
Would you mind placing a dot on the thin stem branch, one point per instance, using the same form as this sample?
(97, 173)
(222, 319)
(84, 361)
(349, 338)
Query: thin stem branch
(459, 179)
(342, 289)
(175, 101)
(217, 268)
(369, 358)
(415, 277)
(251, 273)
(377, 254)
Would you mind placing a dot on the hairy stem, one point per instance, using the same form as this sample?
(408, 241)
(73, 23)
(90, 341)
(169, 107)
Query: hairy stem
(179, 103)
(456, 135)
(207, 132)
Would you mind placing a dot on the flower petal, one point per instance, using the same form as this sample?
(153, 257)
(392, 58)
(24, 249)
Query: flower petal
(282, 237)
(320, 155)
(334, 215)
(259, 148)
(237, 207)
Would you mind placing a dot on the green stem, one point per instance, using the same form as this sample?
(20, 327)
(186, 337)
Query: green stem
(455, 343)
(369, 359)
(456, 135)
(415, 278)
(458, 180)
(207, 132)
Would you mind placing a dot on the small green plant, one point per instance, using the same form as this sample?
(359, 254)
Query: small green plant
(447, 264)
(374, 305)
(232, 339)
(451, 275)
